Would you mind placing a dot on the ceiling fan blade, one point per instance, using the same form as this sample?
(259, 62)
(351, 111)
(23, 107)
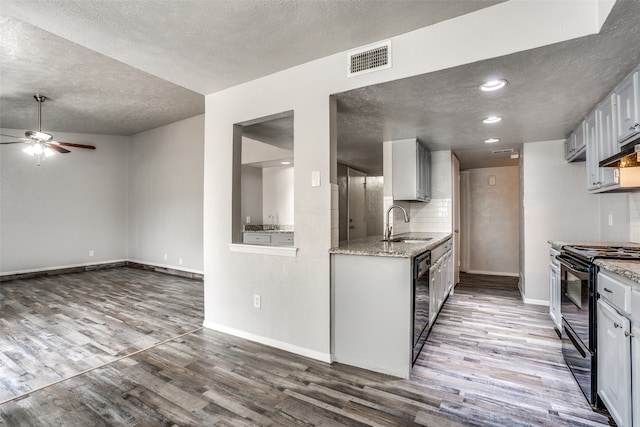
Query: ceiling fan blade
(15, 137)
(71, 144)
(14, 142)
(58, 148)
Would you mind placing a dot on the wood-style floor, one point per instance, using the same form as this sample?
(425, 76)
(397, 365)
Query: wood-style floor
(489, 361)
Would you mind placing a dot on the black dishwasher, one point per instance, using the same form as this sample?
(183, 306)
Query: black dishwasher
(421, 265)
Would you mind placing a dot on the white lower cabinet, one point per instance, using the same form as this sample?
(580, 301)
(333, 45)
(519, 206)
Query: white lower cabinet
(618, 347)
(635, 373)
(441, 284)
(433, 292)
(614, 363)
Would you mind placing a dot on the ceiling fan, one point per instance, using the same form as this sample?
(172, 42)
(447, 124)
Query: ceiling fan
(42, 144)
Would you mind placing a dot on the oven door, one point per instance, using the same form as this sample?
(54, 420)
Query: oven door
(581, 362)
(578, 323)
(420, 303)
(576, 301)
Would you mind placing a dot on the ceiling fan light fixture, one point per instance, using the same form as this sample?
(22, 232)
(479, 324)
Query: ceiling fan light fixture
(491, 119)
(492, 85)
(29, 150)
(48, 152)
(38, 135)
(491, 140)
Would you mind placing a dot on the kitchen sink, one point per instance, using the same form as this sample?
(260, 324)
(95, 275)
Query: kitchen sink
(401, 240)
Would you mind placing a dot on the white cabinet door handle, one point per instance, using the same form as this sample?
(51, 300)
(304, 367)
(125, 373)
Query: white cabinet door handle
(617, 325)
(608, 290)
(628, 334)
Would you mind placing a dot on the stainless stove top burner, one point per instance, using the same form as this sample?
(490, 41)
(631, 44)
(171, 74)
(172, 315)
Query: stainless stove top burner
(613, 252)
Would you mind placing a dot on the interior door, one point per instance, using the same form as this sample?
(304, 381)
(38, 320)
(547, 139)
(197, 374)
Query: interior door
(455, 179)
(357, 207)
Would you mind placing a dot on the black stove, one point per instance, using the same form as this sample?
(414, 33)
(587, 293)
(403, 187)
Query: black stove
(578, 277)
(591, 253)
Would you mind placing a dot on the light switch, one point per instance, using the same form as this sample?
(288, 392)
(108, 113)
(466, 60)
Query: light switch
(492, 180)
(315, 179)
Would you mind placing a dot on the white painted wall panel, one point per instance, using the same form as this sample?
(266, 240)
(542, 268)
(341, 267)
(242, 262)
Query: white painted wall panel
(52, 215)
(277, 195)
(165, 195)
(494, 220)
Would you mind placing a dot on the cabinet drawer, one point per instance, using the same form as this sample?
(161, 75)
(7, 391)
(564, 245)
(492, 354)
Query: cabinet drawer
(256, 238)
(282, 239)
(615, 291)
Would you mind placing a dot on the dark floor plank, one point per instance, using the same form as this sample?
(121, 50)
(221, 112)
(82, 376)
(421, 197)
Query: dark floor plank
(54, 327)
(490, 361)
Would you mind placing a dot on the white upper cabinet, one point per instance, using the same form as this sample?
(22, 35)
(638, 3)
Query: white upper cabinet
(607, 139)
(576, 144)
(628, 93)
(613, 123)
(410, 171)
(591, 138)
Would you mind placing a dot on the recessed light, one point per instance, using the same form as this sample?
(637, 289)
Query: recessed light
(492, 85)
(285, 163)
(491, 140)
(492, 119)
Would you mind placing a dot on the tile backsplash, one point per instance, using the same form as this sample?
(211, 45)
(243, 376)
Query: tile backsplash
(634, 217)
(434, 216)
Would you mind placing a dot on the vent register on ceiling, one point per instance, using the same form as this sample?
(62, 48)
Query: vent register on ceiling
(41, 144)
(368, 59)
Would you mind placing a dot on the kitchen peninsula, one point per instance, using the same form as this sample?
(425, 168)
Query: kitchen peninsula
(373, 299)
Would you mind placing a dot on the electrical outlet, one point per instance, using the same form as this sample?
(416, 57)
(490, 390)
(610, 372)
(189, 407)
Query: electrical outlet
(256, 301)
(91, 252)
(610, 219)
(180, 261)
(165, 257)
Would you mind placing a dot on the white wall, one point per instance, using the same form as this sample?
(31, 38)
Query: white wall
(254, 151)
(165, 195)
(277, 195)
(133, 198)
(494, 221)
(251, 204)
(52, 215)
(558, 207)
(634, 217)
(295, 291)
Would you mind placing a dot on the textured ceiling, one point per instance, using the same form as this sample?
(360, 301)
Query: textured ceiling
(551, 89)
(87, 92)
(210, 45)
(125, 67)
(128, 66)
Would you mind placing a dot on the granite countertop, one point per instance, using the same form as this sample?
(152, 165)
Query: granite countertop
(556, 244)
(373, 246)
(628, 269)
(269, 231)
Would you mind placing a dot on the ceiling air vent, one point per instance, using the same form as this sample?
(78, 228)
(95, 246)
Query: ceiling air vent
(368, 59)
(504, 151)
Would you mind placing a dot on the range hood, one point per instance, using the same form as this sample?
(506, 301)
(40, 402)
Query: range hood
(629, 156)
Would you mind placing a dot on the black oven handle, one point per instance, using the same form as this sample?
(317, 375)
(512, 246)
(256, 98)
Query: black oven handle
(575, 343)
(567, 262)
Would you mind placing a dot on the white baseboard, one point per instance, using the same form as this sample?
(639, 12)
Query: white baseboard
(494, 273)
(60, 267)
(291, 348)
(99, 263)
(535, 301)
(172, 267)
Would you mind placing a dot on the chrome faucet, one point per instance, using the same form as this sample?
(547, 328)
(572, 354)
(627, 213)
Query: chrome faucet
(387, 233)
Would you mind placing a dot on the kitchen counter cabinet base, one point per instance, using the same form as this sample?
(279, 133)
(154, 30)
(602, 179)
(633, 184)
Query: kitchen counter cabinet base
(372, 312)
